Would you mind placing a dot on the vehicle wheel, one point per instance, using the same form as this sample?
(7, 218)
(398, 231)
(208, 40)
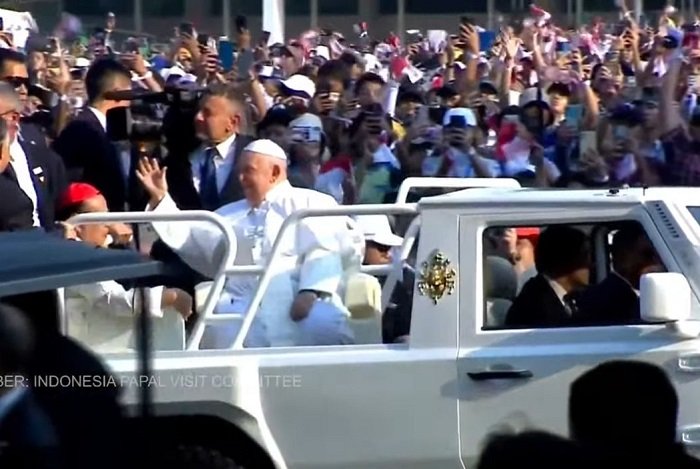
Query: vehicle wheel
(199, 457)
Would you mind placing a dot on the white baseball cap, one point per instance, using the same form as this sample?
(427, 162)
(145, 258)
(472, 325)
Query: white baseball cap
(307, 125)
(376, 228)
(466, 113)
(267, 148)
(300, 85)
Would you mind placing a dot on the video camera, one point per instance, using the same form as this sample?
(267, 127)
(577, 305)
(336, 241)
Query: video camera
(151, 114)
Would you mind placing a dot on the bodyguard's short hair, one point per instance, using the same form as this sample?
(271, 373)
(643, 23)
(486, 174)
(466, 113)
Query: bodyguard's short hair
(561, 250)
(9, 55)
(227, 91)
(625, 239)
(100, 77)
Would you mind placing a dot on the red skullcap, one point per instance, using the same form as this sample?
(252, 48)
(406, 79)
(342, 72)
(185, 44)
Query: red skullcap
(77, 193)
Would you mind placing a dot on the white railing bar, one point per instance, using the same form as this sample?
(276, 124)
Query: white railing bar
(451, 183)
(397, 267)
(376, 269)
(293, 219)
(225, 317)
(259, 270)
(230, 247)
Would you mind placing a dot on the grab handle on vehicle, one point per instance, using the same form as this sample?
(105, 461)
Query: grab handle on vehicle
(499, 374)
(690, 435)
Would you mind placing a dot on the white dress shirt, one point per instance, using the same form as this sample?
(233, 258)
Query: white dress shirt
(224, 162)
(559, 291)
(20, 164)
(314, 247)
(124, 154)
(103, 315)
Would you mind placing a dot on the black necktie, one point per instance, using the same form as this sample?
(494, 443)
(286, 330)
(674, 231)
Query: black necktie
(208, 191)
(570, 302)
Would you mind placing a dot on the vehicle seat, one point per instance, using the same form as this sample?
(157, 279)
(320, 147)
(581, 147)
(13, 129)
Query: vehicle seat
(500, 289)
(201, 292)
(169, 331)
(363, 298)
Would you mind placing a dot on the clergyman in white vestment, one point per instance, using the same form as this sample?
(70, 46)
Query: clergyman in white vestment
(301, 305)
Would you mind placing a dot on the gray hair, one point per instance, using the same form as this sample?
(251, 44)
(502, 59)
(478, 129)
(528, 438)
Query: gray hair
(9, 95)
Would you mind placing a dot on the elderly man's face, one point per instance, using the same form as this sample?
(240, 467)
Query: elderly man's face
(217, 119)
(258, 174)
(16, 74)
(96, 234)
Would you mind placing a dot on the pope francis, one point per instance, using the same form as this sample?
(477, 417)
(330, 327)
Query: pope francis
(301, 306)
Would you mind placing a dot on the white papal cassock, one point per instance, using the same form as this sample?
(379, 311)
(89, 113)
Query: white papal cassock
(311, 260)
(102, 316)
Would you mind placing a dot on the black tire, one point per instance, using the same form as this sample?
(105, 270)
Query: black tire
(199, 457)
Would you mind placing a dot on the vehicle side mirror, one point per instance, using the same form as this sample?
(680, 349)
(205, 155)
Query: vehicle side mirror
(665, 297)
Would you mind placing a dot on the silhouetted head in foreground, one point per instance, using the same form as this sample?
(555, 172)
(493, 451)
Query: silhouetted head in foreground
(624, 404)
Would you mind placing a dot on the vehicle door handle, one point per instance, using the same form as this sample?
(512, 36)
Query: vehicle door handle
(499, 374)
(689, 363)
(690, 435)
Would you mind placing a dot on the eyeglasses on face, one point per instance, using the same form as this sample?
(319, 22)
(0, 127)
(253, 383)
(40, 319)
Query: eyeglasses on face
(17, 82)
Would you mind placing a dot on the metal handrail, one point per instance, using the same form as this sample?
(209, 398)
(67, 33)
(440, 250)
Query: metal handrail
(392, 279)
(451, 183)
(229, 240)
(260, 269)
(226, 266)
(293, 219)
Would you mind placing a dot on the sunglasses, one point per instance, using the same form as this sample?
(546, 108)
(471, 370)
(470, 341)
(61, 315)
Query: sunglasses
(379, 247)
(17, 82)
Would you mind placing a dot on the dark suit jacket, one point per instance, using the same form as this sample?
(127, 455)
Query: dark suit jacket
(16, 208)
(90, 157)
(182, 189)
(47, 170)
(612, 301)
(538, 306)
(27, 436)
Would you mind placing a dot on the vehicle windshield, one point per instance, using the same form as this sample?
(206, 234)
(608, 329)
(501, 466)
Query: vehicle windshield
(695, 212)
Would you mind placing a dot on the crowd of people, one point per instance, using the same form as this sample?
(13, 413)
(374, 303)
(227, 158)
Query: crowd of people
(322, 121)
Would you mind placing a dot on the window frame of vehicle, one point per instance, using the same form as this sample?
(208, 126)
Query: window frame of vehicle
(473, 327)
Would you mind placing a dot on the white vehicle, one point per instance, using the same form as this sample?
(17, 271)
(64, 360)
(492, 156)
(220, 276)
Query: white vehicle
(432, 402)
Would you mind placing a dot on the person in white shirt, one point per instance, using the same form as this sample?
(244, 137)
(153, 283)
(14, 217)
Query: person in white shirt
(101, 314)
(301, 306)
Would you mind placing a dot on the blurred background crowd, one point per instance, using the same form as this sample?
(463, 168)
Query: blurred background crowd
(546, 100)
(607, 103)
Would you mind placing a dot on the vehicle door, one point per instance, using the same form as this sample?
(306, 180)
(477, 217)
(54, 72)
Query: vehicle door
(373, 406)
(515, 379)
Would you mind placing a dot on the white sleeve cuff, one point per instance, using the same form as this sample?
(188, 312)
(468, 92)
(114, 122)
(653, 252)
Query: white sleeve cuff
(321, 270)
